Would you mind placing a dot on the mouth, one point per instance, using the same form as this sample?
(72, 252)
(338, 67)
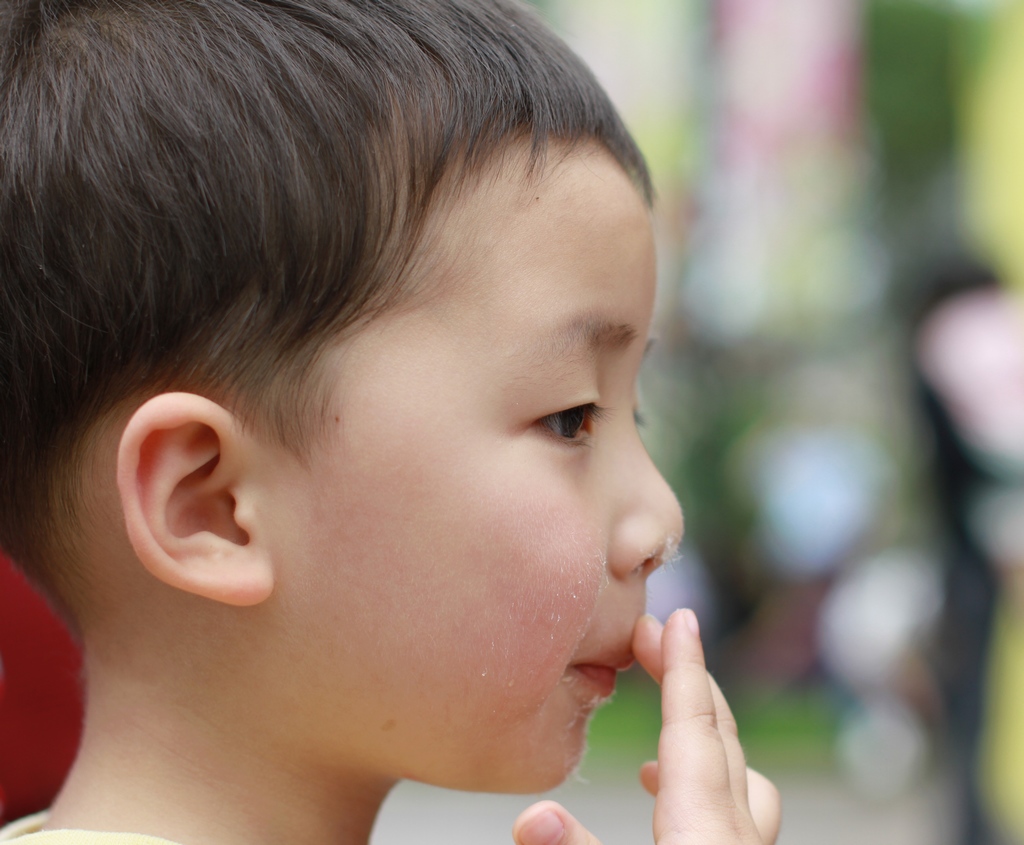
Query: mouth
(599, 676)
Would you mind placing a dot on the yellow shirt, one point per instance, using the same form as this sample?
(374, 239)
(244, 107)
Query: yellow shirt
(28, 831)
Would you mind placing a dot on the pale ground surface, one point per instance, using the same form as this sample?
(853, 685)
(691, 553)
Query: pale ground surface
(819, 809)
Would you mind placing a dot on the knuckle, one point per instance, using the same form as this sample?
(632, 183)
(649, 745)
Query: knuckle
(703, 723)
(727, 725)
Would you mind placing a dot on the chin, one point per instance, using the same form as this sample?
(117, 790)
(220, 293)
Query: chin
(544, 766)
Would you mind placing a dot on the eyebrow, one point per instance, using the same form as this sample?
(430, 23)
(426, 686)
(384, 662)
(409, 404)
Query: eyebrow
(590, 334)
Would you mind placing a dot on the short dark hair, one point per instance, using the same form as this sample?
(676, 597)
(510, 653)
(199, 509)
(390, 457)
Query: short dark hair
(196, 194)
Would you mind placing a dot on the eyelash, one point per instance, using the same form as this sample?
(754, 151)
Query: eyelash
(579, 419)
(569, 424)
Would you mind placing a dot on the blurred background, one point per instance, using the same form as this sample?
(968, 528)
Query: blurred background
(838, 392)
(838, 398)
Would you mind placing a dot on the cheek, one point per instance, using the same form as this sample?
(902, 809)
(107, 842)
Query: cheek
(473, 586)
(543, 574)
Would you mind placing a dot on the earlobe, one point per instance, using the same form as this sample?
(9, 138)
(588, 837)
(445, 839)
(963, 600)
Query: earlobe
(182, 472)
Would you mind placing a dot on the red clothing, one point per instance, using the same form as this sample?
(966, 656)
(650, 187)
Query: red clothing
(40, 698)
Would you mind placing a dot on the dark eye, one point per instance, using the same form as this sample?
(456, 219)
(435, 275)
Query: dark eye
(572, 423)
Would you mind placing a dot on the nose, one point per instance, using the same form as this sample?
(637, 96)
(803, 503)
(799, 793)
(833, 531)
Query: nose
(649, 522)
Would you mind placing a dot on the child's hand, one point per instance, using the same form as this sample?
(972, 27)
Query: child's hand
(705, 794)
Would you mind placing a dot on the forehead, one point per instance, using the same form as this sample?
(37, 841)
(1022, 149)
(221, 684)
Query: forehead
(567, 247)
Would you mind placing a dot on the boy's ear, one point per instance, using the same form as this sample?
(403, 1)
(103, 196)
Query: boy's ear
(188, 502)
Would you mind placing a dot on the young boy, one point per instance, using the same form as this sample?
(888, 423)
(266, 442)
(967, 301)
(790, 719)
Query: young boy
(320, 327)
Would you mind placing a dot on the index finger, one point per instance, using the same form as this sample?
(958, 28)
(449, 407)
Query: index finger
(647, 645)
(695, 790)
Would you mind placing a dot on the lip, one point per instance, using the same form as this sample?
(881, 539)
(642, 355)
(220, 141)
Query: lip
(601, 676)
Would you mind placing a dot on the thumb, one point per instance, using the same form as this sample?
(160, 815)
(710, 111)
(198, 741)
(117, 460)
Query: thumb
(548, 823)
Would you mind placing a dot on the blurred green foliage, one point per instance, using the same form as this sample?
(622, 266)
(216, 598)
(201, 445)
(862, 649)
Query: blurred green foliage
(625, 733)
(910, 87)
(787, 728)
(778, 729)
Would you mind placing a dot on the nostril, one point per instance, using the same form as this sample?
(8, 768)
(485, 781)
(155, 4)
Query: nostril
(652, 562)
(664, 555)
(647, 567)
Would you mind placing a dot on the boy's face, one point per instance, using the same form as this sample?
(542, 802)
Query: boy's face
(462, 563)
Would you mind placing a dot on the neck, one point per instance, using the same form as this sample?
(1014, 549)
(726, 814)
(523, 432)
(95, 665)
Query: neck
(151, 763)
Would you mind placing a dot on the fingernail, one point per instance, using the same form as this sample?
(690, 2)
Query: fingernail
(691, 622)
(545, 828)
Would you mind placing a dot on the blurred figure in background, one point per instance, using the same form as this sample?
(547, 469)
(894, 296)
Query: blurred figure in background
(971, 357)
(965, 353)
